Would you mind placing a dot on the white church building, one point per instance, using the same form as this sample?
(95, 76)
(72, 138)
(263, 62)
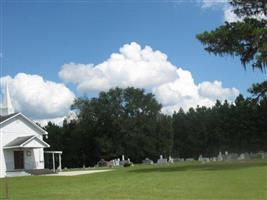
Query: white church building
(21, 141)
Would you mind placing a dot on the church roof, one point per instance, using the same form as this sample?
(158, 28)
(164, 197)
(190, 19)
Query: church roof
(30, 141)
(19, 141)
(4, 118)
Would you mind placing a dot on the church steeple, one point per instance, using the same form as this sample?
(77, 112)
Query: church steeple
(7, 107)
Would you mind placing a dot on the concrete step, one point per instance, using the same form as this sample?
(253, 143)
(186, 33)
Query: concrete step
(17, 173)
(39, 171)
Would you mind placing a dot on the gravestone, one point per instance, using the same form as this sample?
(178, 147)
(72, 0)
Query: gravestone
(162, 160)
(148, 161)
(200, 157)
(220, 157)
(241, 156)
(122, 162)
(213, 159)
(170, 159)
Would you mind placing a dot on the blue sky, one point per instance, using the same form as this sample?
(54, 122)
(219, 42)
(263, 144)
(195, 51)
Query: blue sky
(39, 37)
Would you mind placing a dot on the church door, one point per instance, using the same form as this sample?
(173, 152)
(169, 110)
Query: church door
(19, 159)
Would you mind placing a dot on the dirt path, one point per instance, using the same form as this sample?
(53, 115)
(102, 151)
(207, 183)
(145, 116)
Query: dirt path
(77, 173)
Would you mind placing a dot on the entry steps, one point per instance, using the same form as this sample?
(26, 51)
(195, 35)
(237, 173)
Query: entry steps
(17, 173)
(29, 172)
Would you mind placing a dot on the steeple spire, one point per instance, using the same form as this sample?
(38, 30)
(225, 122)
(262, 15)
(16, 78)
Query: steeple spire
(7, 107)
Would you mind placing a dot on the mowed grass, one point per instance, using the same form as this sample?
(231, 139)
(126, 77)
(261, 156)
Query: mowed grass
(221, 180)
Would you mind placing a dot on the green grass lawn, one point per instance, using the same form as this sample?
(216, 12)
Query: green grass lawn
(237, 180)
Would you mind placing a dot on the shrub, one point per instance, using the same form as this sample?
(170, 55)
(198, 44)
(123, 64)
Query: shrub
(102, 163)
(127, 164)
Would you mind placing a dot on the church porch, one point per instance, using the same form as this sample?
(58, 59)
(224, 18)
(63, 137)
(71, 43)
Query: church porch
(24, 153)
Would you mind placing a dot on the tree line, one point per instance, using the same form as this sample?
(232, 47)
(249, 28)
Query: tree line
(129, 121)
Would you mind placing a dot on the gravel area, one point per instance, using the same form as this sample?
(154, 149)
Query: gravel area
(77, 173)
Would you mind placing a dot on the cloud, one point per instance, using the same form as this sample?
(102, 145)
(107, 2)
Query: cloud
(70, 116)
(38, 98)
(229, 15)
(213, 3)
(150, 69)
(132, 66)
(214, 91)
(57, 120)
(183, 92)
(227, 9)
(224, 5)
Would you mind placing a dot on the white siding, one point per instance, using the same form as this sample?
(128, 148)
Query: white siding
(12, 129)
(18, 127)
(32, 159)
(9, 159)
(2, 161)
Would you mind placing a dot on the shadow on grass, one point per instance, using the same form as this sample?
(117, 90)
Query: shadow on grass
(200, 167)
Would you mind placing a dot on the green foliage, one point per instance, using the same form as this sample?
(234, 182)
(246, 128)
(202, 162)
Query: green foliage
(246, 39)
(102, 163)
(249, 7)
(240, 127)
(127, 164)
(258, 90)
(128, 121)
(120, 121)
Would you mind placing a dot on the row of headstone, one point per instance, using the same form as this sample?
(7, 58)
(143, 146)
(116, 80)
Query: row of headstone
(160, 161)
(124, 161)
(208, 159)
(115, 162)
(233, 156)
(252, 156)
(221, 157)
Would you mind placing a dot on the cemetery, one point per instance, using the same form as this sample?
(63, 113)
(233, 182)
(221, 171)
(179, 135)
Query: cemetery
(117, 162)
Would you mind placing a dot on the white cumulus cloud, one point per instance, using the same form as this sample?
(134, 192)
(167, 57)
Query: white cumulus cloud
(38, 98)
(185, 93)
(214, 91)
(150, 69)
(132, 66)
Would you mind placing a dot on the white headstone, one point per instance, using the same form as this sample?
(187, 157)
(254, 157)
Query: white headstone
(162, 160)
(220, 158)
(170, 159)
(241, 157)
